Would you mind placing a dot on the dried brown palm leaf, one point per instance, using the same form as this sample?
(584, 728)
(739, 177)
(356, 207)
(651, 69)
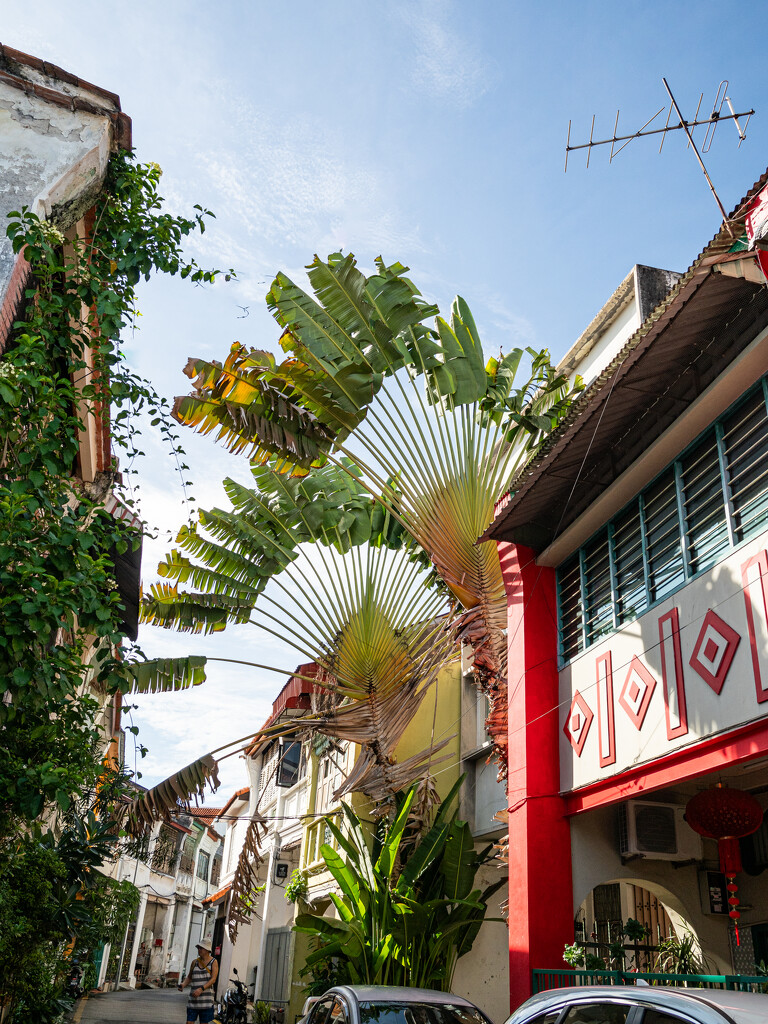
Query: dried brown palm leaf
(245, 883)
(502, 851)
(172, 794)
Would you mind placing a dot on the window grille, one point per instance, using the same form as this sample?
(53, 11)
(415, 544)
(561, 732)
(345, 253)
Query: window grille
(632, 596)
(714, 496)
(596, 569)
(706, 529)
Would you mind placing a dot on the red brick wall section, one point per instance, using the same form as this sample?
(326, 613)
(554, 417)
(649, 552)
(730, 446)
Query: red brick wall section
(101, 425)
(13, 297)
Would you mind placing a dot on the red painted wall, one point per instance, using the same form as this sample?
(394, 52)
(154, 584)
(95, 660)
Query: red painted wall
(540, 881)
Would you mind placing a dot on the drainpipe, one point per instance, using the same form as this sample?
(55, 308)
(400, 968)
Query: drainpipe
(127, 926)
(184, 944)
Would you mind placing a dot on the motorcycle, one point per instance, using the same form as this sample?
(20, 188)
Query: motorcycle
(233, 1007)
(74, 988)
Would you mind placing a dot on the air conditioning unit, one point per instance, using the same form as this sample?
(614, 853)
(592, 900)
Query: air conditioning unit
(656, 831)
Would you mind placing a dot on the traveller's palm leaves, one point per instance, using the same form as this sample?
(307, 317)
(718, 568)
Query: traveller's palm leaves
(357, 349)
(362, 614)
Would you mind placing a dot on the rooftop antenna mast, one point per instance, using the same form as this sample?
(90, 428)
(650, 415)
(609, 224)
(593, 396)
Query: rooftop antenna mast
(717, 115)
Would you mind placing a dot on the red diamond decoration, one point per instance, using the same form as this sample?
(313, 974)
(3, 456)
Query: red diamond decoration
(636, 692)
(577, 723)
(714, 650)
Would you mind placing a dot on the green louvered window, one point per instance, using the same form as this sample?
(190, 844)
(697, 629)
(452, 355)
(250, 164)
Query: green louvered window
(662, 536)
(706, 529)
(571, 608)
(713, 497)
(632, 597)
(598, 594)
(745, 439)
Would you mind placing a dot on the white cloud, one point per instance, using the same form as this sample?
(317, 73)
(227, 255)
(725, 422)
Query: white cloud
(283, 191)
(447, 65)
(509, 329)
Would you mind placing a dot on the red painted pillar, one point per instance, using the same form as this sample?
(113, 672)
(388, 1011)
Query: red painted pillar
(540, 880)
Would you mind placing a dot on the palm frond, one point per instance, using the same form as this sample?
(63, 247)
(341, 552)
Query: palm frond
(162, 675)
(171, 608)
(172, 794)
(362, 615)
(417, 417)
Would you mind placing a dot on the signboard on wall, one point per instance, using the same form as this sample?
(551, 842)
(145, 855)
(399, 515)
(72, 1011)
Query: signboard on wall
(713, 892)
(694, 666)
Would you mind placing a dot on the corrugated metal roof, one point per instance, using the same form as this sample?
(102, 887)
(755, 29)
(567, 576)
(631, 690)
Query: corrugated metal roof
(294, 696)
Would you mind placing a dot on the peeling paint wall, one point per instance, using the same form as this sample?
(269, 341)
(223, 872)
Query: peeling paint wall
(53, 153)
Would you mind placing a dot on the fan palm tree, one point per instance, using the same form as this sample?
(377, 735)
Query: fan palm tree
(348, 397)
(363, 615)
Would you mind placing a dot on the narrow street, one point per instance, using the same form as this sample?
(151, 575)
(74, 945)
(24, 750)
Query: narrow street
(148, 1006)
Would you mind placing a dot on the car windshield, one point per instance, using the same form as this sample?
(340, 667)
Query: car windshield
(419, 1013)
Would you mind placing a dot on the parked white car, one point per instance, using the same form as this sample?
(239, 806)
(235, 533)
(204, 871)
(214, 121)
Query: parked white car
(620, 1004)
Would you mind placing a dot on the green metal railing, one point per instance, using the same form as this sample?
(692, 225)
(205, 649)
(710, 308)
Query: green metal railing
(545, 980)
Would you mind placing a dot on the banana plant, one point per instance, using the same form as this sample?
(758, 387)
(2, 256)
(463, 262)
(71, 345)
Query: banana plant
(436, 458)
(401, 920)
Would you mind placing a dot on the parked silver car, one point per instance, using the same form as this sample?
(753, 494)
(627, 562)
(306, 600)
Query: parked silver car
(620, 1004)
(385, 1004)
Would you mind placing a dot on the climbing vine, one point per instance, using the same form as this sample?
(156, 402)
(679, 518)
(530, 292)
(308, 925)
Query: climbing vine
(60, 612)
(60, 609)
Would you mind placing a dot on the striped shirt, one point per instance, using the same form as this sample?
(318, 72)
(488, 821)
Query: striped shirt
(200, 976)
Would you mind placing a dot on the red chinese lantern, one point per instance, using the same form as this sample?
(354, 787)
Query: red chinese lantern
(726, 815)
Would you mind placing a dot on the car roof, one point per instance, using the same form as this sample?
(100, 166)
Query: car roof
(398, 994)
(714, 1006)
(742, 1006)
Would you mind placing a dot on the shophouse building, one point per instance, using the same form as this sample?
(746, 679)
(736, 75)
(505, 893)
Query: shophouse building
(177, 869)
(294, 782)
(635, 555)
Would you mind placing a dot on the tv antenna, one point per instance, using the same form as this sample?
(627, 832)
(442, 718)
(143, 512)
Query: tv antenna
(717, 115)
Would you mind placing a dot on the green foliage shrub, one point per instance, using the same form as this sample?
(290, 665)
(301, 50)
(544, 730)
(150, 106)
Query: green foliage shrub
(61, 618)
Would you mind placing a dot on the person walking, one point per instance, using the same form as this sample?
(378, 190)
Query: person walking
(203, 972)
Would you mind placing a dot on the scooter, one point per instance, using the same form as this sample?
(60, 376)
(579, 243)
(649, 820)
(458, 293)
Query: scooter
(74, 988)
(233, 1008)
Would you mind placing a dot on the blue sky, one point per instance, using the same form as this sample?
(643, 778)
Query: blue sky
(429, 131)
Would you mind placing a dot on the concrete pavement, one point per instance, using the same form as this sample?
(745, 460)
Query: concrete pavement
(147, 1006)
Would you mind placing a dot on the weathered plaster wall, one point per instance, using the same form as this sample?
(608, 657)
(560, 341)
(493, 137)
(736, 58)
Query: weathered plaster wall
(54, 154)
(483, 974)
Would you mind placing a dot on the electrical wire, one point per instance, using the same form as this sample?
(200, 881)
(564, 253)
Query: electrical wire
(520, 728)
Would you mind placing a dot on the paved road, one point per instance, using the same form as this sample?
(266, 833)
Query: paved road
(147, 1006)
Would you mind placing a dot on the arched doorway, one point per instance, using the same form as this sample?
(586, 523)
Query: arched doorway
(627, 922)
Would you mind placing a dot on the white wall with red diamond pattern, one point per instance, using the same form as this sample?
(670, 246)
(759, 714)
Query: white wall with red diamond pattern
(693, 666)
